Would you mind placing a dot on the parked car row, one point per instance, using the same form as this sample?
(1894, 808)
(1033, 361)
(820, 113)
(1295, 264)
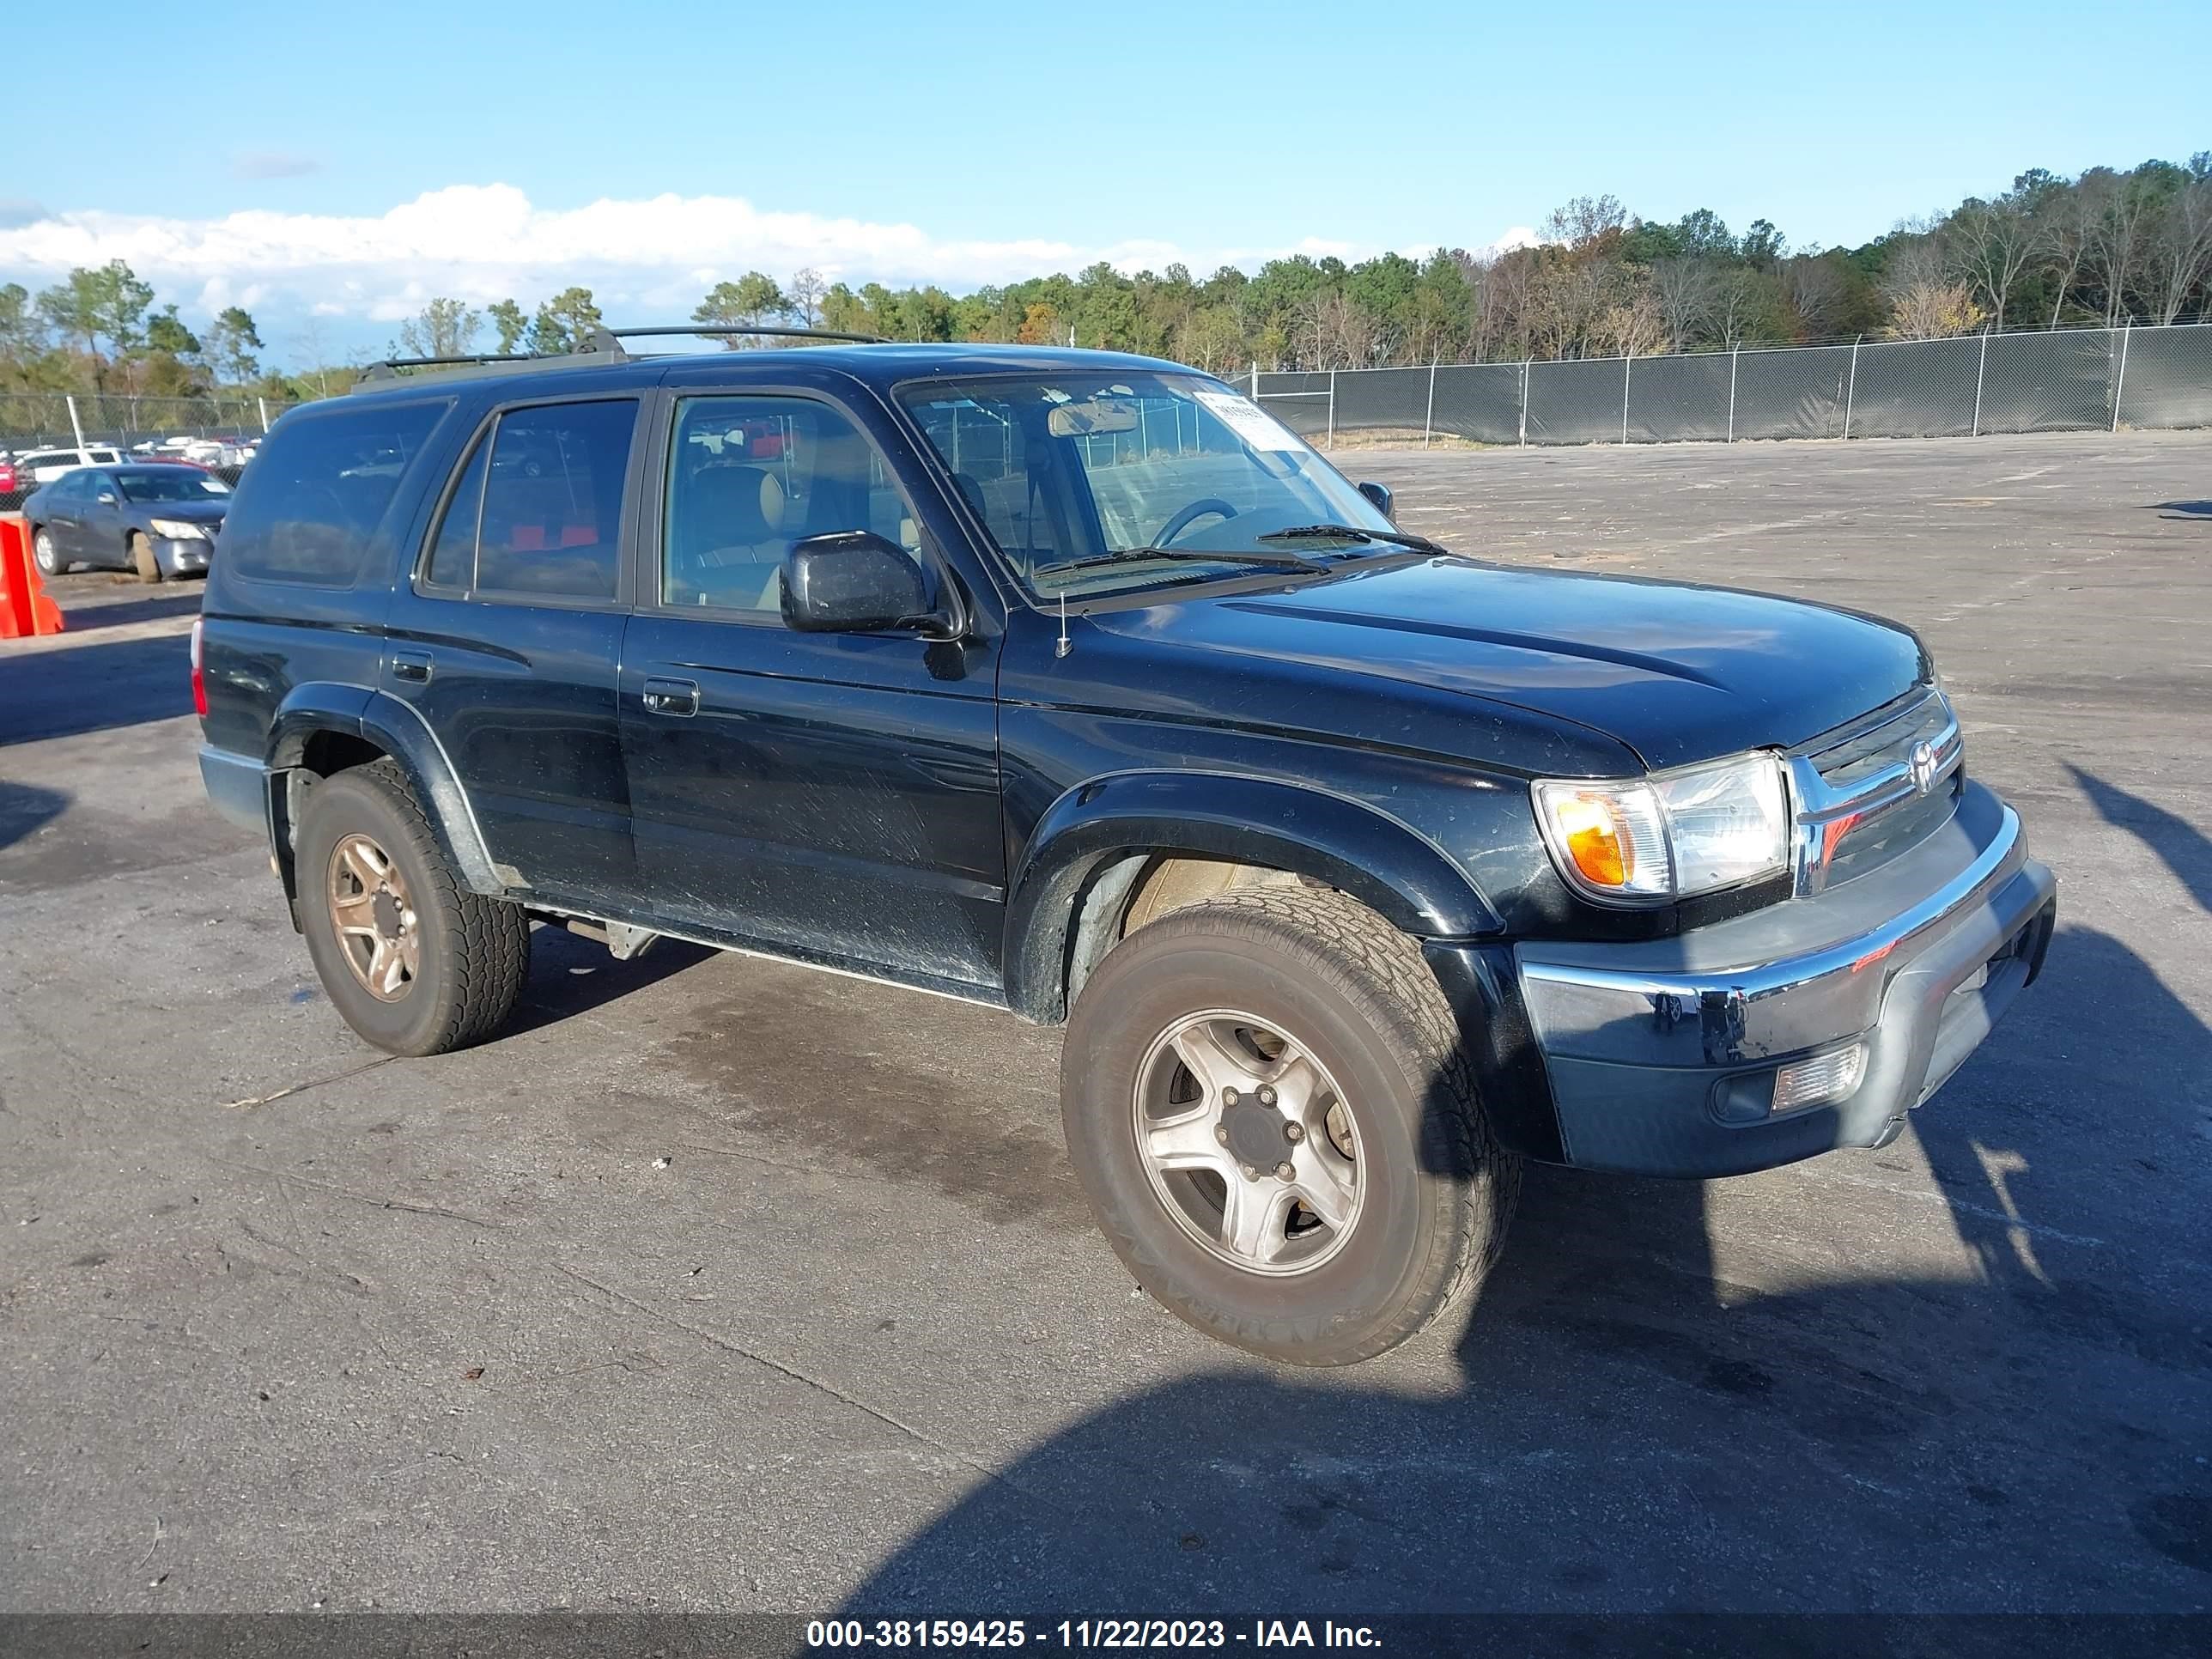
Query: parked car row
(25, 469)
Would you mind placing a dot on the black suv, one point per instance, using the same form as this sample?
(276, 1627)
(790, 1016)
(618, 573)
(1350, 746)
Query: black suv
(1072, 683)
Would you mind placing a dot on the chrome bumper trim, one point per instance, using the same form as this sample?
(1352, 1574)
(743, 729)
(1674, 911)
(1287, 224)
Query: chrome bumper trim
(1732, 1016)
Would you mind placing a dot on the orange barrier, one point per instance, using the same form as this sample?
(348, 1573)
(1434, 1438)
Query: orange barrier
(25, 609)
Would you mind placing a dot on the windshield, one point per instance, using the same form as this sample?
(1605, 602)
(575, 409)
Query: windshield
(1078, 476)
(166, 485)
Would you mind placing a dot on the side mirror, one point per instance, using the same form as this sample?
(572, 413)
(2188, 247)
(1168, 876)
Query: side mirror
(105, 498)
(853, 581)
(1380, 495)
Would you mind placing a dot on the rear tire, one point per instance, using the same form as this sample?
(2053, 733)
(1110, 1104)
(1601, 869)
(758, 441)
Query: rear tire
(143, 560)
(43, 550)
(415, 963)
(1424, 1192)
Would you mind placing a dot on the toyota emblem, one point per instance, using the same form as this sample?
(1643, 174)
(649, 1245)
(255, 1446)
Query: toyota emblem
(1922, 765)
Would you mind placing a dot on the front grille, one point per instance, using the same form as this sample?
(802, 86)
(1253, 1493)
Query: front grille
(1861, 798)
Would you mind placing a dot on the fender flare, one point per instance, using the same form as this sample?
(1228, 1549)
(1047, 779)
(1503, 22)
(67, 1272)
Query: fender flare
(399, 730)
(1384, 863)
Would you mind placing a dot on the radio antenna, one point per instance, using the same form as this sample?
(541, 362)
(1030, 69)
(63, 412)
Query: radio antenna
(1066, 645)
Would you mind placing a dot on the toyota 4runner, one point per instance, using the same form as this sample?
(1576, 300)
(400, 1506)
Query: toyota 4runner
(1357, 869)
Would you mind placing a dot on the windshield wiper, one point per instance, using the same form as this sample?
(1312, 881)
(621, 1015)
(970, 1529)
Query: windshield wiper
(1275, 561)
(1345, 533)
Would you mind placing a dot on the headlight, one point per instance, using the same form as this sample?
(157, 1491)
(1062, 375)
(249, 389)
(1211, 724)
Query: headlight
(178, 529)
(1671, 835)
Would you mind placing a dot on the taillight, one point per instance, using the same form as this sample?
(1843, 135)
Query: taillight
(199, 671)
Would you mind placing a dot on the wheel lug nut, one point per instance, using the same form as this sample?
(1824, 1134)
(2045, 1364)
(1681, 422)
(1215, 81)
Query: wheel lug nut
(1221, 1133)
(1294, 1132)
(1228, 1096)
(1285, 1169)
(1267, 1095)
(1251, 1172)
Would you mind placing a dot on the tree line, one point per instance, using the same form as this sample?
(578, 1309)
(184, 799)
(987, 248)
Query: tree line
(2100, 248)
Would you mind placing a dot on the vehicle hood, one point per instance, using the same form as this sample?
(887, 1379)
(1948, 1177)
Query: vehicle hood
(1676, 672)
(209, 511)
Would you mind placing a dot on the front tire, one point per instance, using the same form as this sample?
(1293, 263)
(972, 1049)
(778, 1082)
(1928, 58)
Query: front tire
(143, 560)
(1267, 1100)
(412, 959)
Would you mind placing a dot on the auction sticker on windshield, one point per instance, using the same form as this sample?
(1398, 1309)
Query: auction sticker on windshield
(1249, 423)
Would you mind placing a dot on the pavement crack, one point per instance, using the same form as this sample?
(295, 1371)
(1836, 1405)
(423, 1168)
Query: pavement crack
(290, 1089)
(371, 1199)
(921, 1437)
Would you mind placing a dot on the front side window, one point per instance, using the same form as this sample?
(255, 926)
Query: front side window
(538, 512)
(1098, 481)
(748, 476)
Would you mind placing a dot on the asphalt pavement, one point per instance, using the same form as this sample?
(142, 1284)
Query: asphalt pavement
(721, 1285)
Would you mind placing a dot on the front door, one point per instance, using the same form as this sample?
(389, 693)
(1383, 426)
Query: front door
(507, 639)
(829, 796)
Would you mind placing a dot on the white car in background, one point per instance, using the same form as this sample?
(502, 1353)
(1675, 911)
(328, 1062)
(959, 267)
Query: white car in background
(43, 466)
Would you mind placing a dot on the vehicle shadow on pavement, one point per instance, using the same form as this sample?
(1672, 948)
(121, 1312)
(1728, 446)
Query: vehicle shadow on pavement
(569, 975)
(176, 601)
(2183, 509)
(26, 809)
(1670, 1397)
(66, 690)
(2180, 845)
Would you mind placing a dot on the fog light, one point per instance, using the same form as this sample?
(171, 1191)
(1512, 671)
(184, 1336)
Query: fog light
(1822, 1078)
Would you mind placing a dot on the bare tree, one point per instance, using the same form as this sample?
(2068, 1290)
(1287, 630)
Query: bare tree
(1334, 331)
(804, 291)
(1816, 290)
(2118, 236)
(1584, 220)
(1683, 292)
(444, 328)
(2179, 256)
(1990, 243)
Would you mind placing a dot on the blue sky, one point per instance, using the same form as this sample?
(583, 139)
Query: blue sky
(964, 143)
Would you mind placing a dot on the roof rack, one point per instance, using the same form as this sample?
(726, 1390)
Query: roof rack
(600, 345)
(610, 339)
(388, 368)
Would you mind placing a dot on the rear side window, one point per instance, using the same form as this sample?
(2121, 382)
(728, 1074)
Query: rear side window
(538, 512)
(309, 508)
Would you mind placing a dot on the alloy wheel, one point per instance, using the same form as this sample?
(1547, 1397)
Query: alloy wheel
(374, 917)
(1247, 1143)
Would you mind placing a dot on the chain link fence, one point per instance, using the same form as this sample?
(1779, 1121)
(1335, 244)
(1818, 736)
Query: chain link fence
(214, 430)
(2064, 380)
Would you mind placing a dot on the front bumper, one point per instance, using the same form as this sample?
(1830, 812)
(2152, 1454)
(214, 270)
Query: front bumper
(180, 556)
(1662, 1055)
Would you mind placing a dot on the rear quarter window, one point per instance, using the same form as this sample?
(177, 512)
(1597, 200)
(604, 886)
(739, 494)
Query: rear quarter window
(307, 510)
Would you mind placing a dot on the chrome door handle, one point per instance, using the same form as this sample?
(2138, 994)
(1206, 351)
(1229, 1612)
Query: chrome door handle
(411, 667)
(677, 698)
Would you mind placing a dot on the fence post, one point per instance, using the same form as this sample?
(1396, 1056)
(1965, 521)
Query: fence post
(77, 426)
(1331, 444)
(263, 402)
(1981, 371)
(1429, 420)
(1852, 391)
(1627, 367)
(1735, 351)
(2119, 380)
(1525, 361)
(1255, 387)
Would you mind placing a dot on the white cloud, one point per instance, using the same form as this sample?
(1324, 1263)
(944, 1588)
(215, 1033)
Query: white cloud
(480, 242)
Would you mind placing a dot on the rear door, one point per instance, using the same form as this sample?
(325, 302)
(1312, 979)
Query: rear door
(508, 638)
(62, 509)
(831, 796)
